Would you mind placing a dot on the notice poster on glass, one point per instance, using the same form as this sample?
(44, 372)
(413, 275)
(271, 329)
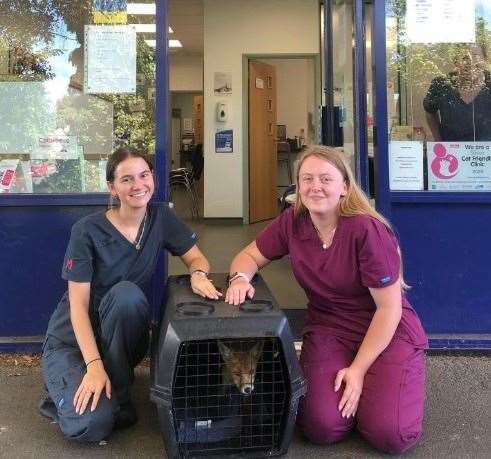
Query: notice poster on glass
(224, 141)
(406, 166)
(441, 21)
(459, 166)
(56, 146)
(110, 59)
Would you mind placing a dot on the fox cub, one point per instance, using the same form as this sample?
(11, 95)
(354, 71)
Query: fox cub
(240, 365)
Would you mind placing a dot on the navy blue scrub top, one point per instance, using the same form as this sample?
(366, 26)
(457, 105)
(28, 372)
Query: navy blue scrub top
(98, 253)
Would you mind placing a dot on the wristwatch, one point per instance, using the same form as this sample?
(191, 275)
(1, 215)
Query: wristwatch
(199, 272)
(236, 275)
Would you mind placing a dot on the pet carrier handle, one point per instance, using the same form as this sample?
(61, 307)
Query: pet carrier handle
(256, 306)
(195, 308)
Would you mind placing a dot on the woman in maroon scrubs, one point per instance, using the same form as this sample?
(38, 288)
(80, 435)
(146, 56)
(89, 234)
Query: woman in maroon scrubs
(363, 344)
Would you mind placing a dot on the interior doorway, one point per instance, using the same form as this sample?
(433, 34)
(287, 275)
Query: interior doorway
(282, 120)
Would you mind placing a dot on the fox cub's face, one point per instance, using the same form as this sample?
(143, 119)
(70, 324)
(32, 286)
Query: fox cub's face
(240, 366)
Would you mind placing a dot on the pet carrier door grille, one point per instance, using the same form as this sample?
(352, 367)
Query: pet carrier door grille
(230, 394)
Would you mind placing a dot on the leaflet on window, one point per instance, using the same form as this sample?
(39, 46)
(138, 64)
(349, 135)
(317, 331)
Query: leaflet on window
(459, 166)
(110, 59)
(406, 166)
(56, 146)
(441, 21)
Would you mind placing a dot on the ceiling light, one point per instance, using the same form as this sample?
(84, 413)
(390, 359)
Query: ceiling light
(147, 28)
(141, 8)
(172, 43)
(175, 44)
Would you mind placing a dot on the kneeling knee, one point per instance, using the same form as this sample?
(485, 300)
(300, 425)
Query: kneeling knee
(130, 298)
(322, 430)
(391, 441)
(90, 427)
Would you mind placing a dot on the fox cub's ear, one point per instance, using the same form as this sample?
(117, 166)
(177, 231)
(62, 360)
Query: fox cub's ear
(225, 351)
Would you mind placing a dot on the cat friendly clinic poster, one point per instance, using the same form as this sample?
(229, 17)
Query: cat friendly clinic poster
(459, 166)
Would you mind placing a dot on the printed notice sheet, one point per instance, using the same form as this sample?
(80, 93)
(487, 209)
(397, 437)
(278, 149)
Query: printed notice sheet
(441, 21)
(406, 165)
(110, 59)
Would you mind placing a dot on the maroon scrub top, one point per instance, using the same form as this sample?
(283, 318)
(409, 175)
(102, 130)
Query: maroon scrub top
(363, 254)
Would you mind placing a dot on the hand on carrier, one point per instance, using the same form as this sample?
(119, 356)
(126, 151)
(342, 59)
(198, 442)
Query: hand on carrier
(93, 383)
(353, 385)
(238, 290)
(204, 287)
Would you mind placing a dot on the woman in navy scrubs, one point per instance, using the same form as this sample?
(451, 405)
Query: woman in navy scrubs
(99, 331)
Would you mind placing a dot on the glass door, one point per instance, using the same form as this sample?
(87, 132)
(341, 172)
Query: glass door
(346, 79)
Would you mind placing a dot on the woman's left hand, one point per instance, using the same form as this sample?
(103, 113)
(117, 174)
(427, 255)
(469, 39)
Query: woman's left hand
(353, 385)
(204, 287)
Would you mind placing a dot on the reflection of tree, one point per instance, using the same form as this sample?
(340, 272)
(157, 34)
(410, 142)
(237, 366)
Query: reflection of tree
(133, 113)
(419, 61)
(24, 115)
(89, 118)
(134, 120)
(32, 26)
(66, 177)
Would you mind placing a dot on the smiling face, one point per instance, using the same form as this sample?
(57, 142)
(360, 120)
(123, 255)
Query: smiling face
(133, 183)
(320, 186)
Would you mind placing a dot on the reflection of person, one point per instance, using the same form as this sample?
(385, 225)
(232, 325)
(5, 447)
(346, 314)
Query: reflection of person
(458, 106)
(363, 344)
(99, 331)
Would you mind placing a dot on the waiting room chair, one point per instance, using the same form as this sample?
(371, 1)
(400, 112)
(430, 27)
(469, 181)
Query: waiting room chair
(185, 177)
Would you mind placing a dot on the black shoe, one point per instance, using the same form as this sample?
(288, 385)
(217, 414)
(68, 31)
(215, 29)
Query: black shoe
(126, 416)
(47, 408)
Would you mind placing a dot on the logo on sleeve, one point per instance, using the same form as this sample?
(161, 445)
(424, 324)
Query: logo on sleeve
(385, 280)
(69, 264)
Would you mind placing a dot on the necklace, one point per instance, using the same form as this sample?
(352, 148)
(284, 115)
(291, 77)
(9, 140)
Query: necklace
(325, 243)
(137, 242)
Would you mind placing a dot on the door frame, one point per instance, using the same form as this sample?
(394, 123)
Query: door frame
(316, 58)
(360, 135)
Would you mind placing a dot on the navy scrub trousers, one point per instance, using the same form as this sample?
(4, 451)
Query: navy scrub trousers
(123, 342)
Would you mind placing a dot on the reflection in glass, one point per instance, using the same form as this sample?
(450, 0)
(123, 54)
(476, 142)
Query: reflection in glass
(440, 92)
(53, 137)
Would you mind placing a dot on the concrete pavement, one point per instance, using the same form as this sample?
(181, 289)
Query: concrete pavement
(457, 424)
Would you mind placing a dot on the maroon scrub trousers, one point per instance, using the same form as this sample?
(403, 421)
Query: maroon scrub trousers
(363, 255)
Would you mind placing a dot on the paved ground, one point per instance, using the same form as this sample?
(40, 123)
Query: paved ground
(458, 418)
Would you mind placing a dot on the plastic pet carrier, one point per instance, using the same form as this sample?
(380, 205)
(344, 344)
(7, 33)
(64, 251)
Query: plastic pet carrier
(225, 379)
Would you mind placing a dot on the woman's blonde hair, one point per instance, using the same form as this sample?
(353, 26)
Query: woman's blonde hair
(354, 202)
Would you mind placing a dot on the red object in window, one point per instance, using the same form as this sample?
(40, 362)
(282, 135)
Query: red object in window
(8, 177)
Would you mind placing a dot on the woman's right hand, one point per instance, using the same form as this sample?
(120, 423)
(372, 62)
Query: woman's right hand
(238, 290)
(93, 383)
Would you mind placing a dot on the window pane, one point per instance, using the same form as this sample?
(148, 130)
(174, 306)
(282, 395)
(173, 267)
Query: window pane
(439, 95)
(76, 82)
(342, 16)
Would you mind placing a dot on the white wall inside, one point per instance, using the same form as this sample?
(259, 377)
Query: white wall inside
(232, 29)
(185, 73)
